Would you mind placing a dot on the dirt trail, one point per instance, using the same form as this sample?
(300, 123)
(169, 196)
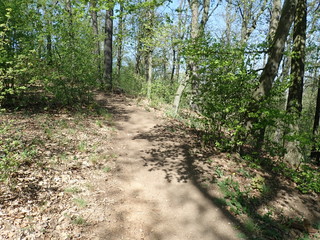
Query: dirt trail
(153, 195)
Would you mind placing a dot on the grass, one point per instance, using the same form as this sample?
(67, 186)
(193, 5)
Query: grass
(78, 220)
(106, 169)
(80, 202)
(72, 190)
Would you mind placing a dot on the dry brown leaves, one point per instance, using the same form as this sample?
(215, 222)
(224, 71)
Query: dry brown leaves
(48, 196)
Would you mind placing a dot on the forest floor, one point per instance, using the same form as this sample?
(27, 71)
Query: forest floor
(128, 172)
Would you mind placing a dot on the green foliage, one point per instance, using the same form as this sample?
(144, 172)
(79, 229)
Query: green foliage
(219, 172)
(162, 91)
(236, 199)
(130, 82)
(13, 151)
(46, 54)
(306, 178)
(240, 202)
(223, 89)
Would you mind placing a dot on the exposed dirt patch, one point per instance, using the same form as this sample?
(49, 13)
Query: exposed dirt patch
(134, 175)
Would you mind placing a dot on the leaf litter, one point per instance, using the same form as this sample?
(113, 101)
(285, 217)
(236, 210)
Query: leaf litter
(54, 157)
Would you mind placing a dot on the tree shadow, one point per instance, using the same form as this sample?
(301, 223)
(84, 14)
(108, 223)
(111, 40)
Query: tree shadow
(182, 158)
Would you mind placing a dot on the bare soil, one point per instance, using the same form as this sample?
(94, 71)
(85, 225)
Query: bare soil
(136, 175)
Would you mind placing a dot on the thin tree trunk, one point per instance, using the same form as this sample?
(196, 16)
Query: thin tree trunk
(229, 21)
(95, 28)
(149, 34)
(249, 19)
(191, 65)
(149, 75)
(49, 49)
(245, 22)
(120, 40)
(175, 48)
(173, 64)
(138, 55)
(69, 10)
(178, 96)
(108, 48)
(165, 63)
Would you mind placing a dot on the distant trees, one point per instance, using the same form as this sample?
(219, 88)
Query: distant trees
(248, 89)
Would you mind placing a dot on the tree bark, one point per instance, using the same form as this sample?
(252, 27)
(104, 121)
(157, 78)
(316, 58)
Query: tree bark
(196, 30)
(294, 103)
(49, 49)
(69, 10)
(95, 28)
(317, 112)
(205, 16)
(276, 51)
(149, 75)
(138, 56)
(175, 72)
(173, 64)
(315, 153)
(120, 40)
(149, 51)
(271, 69)
(229, 20)
(275, 16)
(108, 48)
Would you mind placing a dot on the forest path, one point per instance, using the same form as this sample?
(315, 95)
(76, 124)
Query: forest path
(152, 192)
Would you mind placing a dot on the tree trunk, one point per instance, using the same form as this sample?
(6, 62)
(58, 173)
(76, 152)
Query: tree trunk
(249, 18)
(177, 98)
(294, 102)
(317, 112)
(69, 10)
(120, 40)
(229, 20)
(205, 16)
(196, 30)
(175, 47)
(191, 65)
(315, 153)
(95, 28)
(108, 48)
(173, 64)
(271, 69)
(245, 14)
(164, 63)
(275, 15)
(138, 70)
(149, 75)
(49, 49)
(149, 50)
(274, 21)
(276, 51)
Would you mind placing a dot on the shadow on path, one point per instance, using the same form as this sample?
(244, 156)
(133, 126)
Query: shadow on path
(181, 157)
